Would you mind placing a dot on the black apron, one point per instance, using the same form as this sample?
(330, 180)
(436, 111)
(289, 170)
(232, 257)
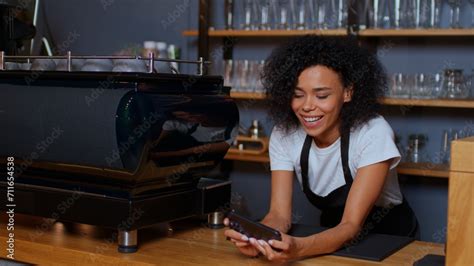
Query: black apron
(392, 220)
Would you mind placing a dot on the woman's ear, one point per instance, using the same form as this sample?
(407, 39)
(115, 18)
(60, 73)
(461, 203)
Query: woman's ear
(348, 94)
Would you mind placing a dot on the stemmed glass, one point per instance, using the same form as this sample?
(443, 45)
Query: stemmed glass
(313, 17)
(437, 13)
(408, 13)
(264, 15)
(247, 21)
(284, 15)
(299, 8)
(455, 6)
(472, 12)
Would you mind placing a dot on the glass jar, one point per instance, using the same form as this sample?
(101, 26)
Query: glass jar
(256, 131)
(453, 84)
(416, 142)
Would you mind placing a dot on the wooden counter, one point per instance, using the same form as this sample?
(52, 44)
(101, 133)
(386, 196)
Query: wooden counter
(460, 236)
(42, 242)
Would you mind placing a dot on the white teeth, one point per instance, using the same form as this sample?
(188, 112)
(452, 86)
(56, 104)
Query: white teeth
(312, 119)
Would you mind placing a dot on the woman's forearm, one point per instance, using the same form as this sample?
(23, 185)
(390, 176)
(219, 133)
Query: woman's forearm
(328, 241)
(277, 221)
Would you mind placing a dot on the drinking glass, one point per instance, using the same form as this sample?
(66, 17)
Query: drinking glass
(446, 146)
(342, 14)
(454, 85)
(470, 84)
(299, 14)
(408, 13)
(384, 14)
(243, 74)
(228, 72)
(425, 14)
(322, 7)
(253, 74)
(331, 17)
(472, 12)
(438, 4)
(229, 14)
(274, 13)
(313, 6)
(423, 87)
(325, 13)
(264, 17)
(235, 76)
(436, 83)
(259, 86)
(455, 9)
(416, 153)
(399, 87)
(448, 136)
(284, 15)
(248, 10)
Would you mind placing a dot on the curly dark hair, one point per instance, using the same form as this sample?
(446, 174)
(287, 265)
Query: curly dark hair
(355, 65)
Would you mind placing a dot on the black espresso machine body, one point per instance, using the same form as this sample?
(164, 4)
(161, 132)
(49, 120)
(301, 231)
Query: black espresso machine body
(120, 150)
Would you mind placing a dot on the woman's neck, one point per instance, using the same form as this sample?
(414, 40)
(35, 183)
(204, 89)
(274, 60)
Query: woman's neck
(326, 140)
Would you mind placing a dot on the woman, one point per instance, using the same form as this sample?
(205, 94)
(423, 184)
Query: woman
(323, 94)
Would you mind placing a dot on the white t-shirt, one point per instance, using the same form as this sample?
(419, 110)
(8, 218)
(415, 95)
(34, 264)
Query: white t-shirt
(371, 143)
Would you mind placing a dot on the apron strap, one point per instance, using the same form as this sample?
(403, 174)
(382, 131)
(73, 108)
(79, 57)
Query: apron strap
(304, 161)
(345, 156)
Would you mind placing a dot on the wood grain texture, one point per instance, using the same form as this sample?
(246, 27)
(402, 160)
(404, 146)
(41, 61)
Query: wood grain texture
(424, 169)
(442, 103)
(42, 242)
(462, 155)
(417, 32)
(448, 103)
(460, 237)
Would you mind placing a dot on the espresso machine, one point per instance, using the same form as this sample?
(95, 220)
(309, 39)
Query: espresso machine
(117, 149)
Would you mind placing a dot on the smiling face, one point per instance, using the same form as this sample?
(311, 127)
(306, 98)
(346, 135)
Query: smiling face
(317, 102)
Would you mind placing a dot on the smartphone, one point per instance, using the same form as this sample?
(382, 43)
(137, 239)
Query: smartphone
(250, 228)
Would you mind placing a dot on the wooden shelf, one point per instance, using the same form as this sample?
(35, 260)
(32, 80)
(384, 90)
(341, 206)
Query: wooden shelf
(261, 158)
(417, 169)
(416, 32)
(267, 33)
(424, 169)
(464, 103)
(248, 95)
(430, 102)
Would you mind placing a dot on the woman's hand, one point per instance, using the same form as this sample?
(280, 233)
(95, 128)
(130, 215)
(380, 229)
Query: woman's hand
(290, 248)
(240, 241)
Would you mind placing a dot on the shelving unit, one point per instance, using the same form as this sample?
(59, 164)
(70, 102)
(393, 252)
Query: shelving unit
(370, 36)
